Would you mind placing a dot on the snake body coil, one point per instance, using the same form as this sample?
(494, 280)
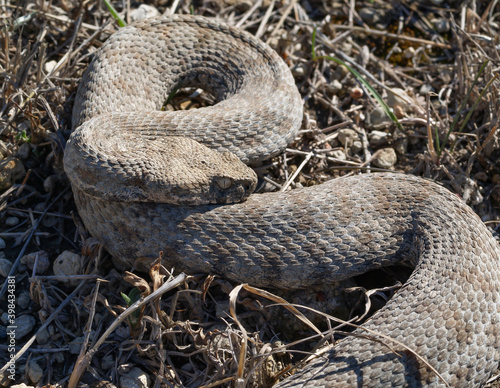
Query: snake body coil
(448, 311)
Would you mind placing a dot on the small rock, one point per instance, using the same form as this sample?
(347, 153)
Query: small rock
(67, 264)
(49, 66)
(371, 16)
(22, 385)
(35, 373)
(399, 112)
(378, 138)
(409, 53)
(386, 158)
(299, 70)
(41, 258)
(399, 98)
(341, 71)
(378, 117)
(463, 154)
(25, 126)
(446, 76)
(23, 300)
(50, 183)
(2, 243)
(335, 86)
(11, 113)
(42, 337)
(338, 154)
(425, 89)
(135, 378)
(144, 12)
(363, 57)
(347, 136)
(356, 147)
(11, 221)
(107, 362)
(122, 332)
(401, 145)
(188, 368)
(11, 169)
(470, 191)
(40, 206)
(24, 323)
(76, 344)
(5, 267)
(481, 176)
(49, 221)
(441, 25)
(496, 178)
(59, 357)
(356, 93)
(24, 151)
(222, 309)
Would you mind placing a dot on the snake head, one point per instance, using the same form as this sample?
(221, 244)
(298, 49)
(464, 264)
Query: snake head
(234, 182)
(197, 175)
(156, 169)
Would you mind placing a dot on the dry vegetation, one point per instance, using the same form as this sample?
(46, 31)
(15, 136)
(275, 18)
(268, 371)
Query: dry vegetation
(421, 56)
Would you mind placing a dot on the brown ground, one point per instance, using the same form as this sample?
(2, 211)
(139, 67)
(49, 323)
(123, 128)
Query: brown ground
(427, 52)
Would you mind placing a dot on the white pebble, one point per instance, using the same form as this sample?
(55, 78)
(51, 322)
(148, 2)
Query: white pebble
(49, 66)
(386, 158)
(143, 12)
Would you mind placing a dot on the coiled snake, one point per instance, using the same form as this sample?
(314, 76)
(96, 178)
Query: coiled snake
(143, 186)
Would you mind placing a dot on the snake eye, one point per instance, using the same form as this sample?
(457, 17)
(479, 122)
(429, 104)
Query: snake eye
(225, 183)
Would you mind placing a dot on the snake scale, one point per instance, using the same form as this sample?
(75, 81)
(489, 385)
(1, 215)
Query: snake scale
(147, 180)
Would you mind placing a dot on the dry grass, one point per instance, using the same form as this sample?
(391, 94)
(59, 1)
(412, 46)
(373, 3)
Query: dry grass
(434, 53)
